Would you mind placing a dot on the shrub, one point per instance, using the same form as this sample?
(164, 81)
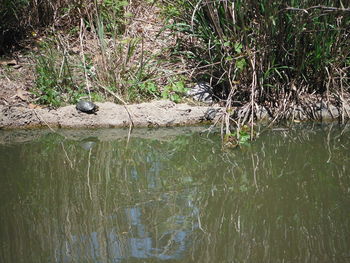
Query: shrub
(274, 46)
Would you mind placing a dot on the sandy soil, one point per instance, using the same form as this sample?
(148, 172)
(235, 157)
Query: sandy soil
(161, 113)
(153, 114)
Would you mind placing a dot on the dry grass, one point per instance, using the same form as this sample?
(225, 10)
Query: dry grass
(124, 58)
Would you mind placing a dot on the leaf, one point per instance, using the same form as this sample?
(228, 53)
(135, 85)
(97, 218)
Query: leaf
(22, 94)
(241, 63)
(229, 58)
(34, 106)
(175, 98)
(165, 94)
(238, 47)
(179, 86)
(244, 138)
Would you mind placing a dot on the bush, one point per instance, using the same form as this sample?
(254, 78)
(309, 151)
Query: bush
(11, 27)
(272, 46)
(19, 16)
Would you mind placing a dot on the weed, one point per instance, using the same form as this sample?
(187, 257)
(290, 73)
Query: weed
(296, 42)
(241, 136)
(174, 91)
(54, 84)
(111, 14)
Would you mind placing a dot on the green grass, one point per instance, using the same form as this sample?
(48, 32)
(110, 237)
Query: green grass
(55, 84)
(104, 55)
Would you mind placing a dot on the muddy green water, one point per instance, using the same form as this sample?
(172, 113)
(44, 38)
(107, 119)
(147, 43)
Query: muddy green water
(83, 196)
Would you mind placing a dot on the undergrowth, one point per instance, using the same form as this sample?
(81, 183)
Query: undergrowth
(87, 49)
(276, 47)
(266, 53)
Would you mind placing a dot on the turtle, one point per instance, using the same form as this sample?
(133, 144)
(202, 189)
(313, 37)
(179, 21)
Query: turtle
(210, 114)
(87, 107)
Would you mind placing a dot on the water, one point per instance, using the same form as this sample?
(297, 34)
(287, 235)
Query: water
(87, 196)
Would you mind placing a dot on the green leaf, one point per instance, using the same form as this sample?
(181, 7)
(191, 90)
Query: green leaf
(165, 94)
(238, 47)
(241, 63)
(229, 58)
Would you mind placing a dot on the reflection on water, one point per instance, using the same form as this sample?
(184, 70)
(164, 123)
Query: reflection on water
(284, 198)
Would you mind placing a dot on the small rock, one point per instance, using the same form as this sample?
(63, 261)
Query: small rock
(202, 92)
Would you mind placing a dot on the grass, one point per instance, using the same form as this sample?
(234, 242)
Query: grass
(266, 52)
(91, 49)
(299, 41)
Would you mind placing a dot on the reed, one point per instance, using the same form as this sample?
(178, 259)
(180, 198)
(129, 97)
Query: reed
(288, 46)
(263, 52)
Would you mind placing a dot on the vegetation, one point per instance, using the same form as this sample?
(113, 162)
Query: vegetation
(269, 53)
(269, 47)
(88, 49)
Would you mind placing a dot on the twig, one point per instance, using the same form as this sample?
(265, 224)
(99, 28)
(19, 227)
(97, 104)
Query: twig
(194, 13)
(83, 56)
(211, 127)
(326, 8)
(125, 106)
(42, 119)
(254, 82)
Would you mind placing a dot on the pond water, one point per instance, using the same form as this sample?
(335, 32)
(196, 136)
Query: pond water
(175, 196)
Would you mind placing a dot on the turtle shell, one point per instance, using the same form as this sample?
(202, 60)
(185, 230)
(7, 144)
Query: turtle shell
(86, 106)
(210, 114)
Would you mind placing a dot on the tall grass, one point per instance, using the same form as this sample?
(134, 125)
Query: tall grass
(275, 46)
(256, 51)
(90, 39)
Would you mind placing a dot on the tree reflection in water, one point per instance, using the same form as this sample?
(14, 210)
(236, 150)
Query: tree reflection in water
(284, 198)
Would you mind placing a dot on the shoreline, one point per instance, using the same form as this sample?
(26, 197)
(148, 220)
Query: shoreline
(160, 113)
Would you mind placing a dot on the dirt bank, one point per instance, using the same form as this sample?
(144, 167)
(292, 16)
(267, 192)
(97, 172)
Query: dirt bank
(162, 113)
(153, 114)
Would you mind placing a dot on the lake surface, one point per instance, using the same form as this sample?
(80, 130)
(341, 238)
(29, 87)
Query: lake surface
(88, 196)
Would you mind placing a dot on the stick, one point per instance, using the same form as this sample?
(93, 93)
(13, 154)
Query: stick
(42, 119)
(124, 104)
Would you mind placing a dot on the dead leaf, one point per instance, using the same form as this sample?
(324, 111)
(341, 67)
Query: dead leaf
(22, 94)
(34, 106)
(75, 50)
(17, 66)
(8, 62)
